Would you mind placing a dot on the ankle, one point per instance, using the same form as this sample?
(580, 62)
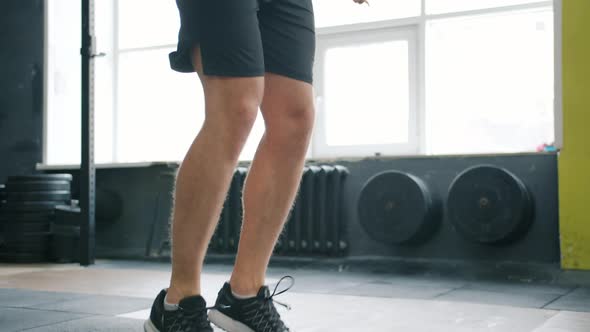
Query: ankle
(175, 294)
(244, 288)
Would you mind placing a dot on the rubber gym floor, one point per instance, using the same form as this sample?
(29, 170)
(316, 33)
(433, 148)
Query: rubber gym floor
(117, 295)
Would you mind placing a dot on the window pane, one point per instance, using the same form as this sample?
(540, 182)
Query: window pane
(63, 83)
(147, 23)
(446, 6)
(367, 96)
(331, 13)
(490, 83)
(103, 83)
(159, 111)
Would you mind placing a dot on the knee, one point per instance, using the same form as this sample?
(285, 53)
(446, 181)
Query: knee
(302, 118)
(237, 123)
(292, 123)
(232, 115)
(241, 112)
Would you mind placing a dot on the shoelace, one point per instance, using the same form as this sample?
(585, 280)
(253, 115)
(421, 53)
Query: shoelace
(272, 319)
(274, 292)
(187, 317)
(268, 310)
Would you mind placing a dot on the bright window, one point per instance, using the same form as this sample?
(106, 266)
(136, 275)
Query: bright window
(376, 109)
(62, 135)
(455, 77)
(449, 6)
(331, 13)
(147, 23)
(490, 83)
(159, 111)
(367, 93)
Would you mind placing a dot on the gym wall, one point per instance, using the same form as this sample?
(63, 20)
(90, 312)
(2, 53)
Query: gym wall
(539, 243)
(21, 85)
(21, 123)
(133, 208)
(574, 159)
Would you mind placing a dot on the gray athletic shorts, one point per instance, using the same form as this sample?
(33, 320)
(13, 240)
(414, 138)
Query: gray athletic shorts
(245, 38)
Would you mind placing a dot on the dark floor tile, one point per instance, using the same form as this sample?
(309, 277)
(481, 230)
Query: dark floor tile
(18, 319)
(577, 300)
(100, 305)
(394, 290)
(519, 288)
(325, 283)
(11, 297)
(95, 324)
(421, 281)
(130, 264)
(529, 300)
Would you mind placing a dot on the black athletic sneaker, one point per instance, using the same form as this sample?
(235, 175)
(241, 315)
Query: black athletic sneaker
(191, 316)
(257, 314)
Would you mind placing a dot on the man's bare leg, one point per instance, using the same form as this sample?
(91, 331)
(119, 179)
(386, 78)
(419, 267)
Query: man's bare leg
(231, 106)
(273, 180)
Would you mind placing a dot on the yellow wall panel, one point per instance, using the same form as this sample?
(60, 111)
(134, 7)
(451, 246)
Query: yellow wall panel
(574, 158)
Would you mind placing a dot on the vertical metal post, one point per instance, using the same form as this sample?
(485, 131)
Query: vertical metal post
(87, 168)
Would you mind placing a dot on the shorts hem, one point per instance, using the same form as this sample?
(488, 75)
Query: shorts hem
(180, 60)
(232, 73)
(292, 74)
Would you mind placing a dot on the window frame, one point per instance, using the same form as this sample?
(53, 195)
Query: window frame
(408, 33)
(325, 34)
(342, 31)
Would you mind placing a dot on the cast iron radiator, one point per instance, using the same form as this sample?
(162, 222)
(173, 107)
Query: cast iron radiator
(315, 226)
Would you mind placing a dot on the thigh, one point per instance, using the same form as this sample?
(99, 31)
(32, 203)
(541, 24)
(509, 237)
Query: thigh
(288, 37)
(284, 99)
(222, 91)
(227, 34)
(230, 39)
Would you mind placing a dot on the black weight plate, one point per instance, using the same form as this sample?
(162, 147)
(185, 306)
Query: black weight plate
(398, 208)
(24, 227)
(26, 237)
(65, 230)
(27, 186)
(65, 249)
(14, 257)
(26, 216)
(29, 206)
(67, 216)
(25, 242)
(487, 204)
(73, 208)
(37, 196)
(39, 177)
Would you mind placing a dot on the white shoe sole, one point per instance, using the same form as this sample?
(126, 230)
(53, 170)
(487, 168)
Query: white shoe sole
(226, 323)
(148, 326)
